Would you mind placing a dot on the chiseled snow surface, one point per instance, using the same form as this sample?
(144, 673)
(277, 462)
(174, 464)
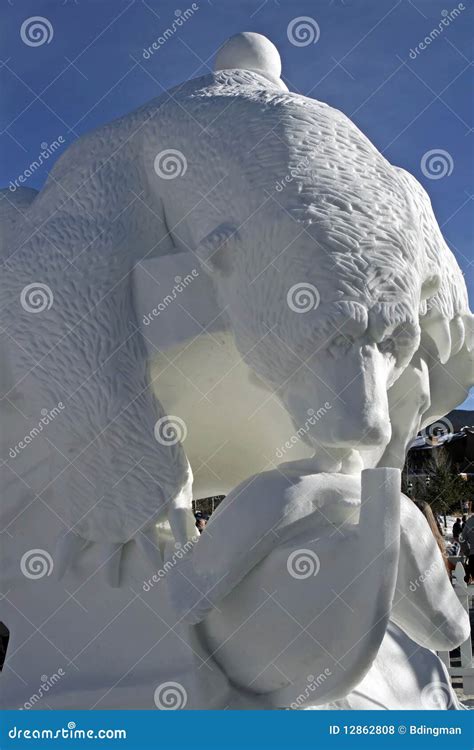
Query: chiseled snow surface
(353, 213)
(269, 189)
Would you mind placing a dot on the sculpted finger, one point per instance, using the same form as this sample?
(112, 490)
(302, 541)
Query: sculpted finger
(149, 545)
(111, 558)
(68, 548)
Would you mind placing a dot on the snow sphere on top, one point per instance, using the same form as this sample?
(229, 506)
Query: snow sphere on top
(250, 51)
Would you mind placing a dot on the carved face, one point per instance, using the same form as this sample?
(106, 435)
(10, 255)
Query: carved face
(329, 334)
(316, 244)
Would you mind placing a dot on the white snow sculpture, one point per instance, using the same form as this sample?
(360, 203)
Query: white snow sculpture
(290, 306)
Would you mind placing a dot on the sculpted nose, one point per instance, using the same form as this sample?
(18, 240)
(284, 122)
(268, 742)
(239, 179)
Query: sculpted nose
(355, 389)
(360, 428)
(366, 417)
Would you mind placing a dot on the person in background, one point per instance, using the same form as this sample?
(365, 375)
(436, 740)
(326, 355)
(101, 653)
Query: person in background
(456, 529)
(463, 522)
(467, 548)
(201, 523)
(453, 550)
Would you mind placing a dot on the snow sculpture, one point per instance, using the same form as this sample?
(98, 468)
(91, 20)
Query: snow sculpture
(233, 271)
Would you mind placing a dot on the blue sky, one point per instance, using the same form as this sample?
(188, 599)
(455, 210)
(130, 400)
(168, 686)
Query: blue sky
(93, 70)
